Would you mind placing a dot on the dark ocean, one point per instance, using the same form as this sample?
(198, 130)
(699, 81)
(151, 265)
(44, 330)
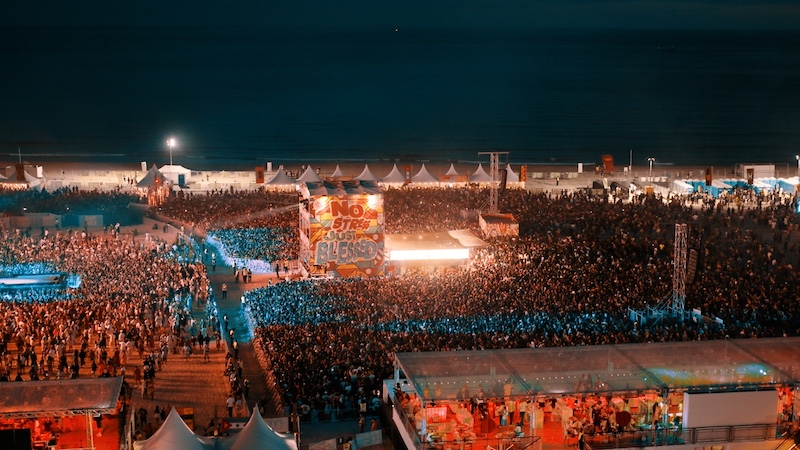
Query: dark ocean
(244, 96)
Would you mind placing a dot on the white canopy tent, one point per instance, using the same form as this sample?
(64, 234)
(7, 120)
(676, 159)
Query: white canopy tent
(337, 173)
(281, 180)
(309, 175)
(366, 174)
(257, 435)
(394, 177)
(174, 434)
(451, 172)
(480, 176)
(424, 177)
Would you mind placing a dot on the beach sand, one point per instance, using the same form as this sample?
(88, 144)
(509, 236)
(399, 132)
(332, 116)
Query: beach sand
(565, 173)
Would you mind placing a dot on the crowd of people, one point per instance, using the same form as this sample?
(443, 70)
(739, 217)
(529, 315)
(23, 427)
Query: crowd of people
(132, 296)
(570, 277)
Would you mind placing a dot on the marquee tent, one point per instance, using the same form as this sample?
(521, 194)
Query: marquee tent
(480, 176)
(281, 179)
(366, 174)
(257, 435)
(174, 434)
(152, 178)
(173, 173)
(394, 177)
(337, 173)
(423, 177)
(511, 177)
(309, 175)
(451, 172)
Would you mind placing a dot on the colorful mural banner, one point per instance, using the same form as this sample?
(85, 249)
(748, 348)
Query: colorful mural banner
(346, 234)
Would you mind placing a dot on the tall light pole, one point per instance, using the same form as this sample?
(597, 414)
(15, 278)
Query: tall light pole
(651, 160)
(797, 157)
(170, 143)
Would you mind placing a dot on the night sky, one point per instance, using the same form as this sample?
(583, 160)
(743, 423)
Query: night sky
(670, 14)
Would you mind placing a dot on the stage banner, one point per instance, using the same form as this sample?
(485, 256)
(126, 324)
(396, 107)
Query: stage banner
(346, 234)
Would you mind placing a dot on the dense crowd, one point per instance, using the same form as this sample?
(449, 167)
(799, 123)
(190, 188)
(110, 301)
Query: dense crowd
(579, 263)
(244, 225)
(568, 279)
(134, 298)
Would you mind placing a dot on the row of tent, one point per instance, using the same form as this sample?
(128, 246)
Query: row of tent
(727, 186)
(255, 435)
(395, 177)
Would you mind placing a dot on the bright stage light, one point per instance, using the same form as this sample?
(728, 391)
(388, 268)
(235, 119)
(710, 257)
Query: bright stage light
(426, 255)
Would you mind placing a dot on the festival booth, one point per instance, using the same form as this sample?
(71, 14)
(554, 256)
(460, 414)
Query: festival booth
(366, 175)
(741, 393)
(394, 178)
(175, 434)
(513, 179)
(155, 186)
(430, 250)
(281, 181)
(257, 435)
(452, 178)
(423, 178)
(20, 179)
(341, 228)
(309, 176)
(480, 176)
(58, 414)
(337, 175)
(177, 175)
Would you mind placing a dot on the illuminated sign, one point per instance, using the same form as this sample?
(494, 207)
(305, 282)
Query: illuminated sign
(346, 234)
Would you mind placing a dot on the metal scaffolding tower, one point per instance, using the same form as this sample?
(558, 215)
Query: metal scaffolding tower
(494, 172)
(679, 276)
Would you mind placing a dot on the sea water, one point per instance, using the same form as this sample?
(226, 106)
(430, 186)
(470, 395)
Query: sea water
(249, 95)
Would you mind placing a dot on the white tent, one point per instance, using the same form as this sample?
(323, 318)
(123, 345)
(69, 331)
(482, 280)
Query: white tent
(174, 434)
(511, 177)
(480, 176)
(257, 435)
(424, 177)
(281, 179)
(172, 173)
(337, 173)
(151, 178)
(309, 175)
(451, 172)
(366, 175)
(394, 177)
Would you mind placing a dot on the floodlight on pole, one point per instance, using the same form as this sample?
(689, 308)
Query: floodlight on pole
(797, 157)
(171, 143)
(651, 160)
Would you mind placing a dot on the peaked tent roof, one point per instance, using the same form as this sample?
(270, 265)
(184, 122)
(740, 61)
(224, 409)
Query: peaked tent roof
(150, 178)
(366, 174)
(281, 178)
(337, 173)
(423, 176)
(174, 434)
(394, 176)
(451, 172)
(480, 176)
(258, 435)
(308, 175)
(511, 176)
